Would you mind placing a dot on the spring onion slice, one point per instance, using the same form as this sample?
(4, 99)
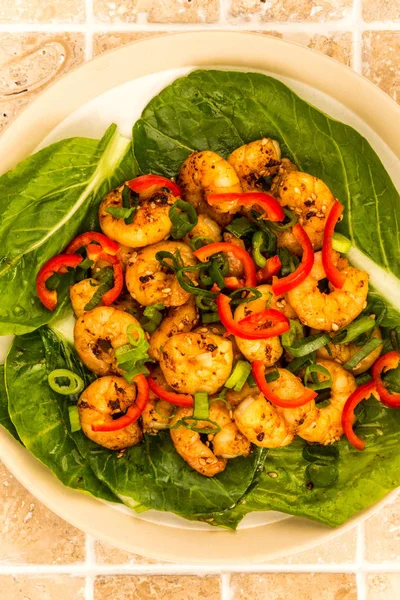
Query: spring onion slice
(199, 241)
(240, 227)
(153, 317)
(119, 212)
(363, 378)
(294, 334)
(105, 278)
(369, 347)
(138, 369)
(239, 376)
(395, 337)
(272, 376)
(259, 243)
(201, 406)
(308, 344)
(301, 362)
(323, 399)
(219, 269)
(187, 284)
(251, 382)
(317, 385)
(356, 328)
(340, 243)
(70, 384)
(206, 304)
(190, 423)
(184, 221)
(130, 199)
(74, 419)
(289, 262)
(283, 226)
(237, 295)
(210, 317)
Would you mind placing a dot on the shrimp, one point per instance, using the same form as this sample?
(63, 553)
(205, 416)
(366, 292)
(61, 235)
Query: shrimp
(196, 362)
(326, 425)
(311, 201)
(219, 329)
(235, 265)
(105, 399)
(156, 416)
(205, 227)
(229, 442)
(261, 423)
(337, 309)
(190, 447)
(205, 173)
(98, 333)
(180, 319)
(149, 282)
(151, 222)
(342, 353)
(269, 350)
(81, 294)
(256, 162)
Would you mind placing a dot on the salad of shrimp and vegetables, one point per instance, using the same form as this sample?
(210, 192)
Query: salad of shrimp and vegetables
(220, 307)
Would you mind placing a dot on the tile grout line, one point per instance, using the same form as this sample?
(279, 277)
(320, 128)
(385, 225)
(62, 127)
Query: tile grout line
(358, 23)
(224, 11)
(88, 29)
(361, 577)
(90, 565)
(226, 589)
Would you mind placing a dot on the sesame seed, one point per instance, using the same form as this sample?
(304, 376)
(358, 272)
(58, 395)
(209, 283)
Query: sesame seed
(335, 326)
(313, 196)
(323, 208)
(166, 290)
(272, 474)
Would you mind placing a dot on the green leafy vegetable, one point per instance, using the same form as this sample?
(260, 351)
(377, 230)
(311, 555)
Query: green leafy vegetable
(5, 420)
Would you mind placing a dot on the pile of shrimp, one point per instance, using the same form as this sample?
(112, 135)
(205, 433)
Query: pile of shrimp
(189, 357)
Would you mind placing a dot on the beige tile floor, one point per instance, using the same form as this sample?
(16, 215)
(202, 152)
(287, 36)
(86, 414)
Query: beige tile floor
(41, 556)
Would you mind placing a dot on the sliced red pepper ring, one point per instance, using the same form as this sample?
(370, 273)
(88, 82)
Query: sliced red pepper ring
(336, 277)
(273, 211)
(250, 276)
(387, 361)
(257, 326)
(271, 269)
(281, 286)
(361, 393)
(57, 264)
(133, 412)
(144, 182)
(171, 397)
(258, 370)
(86, 240)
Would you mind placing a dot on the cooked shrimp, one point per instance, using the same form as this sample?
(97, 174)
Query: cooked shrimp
(205, 173)
(326, 425)
(151, 222)
(149, 282)
(311, 200)
(229, 442)
(126, 255)
(235, 265)
(269, 350)
(256, 162)
(235, 398)
(219, 329)
(337, 309)
(98, 333)
(196, 362)
(179, 319)
(342, 353)
(104, 400)
(206, 227)
(261, 423)
(81, 294)
(156, 416)
(190, 447)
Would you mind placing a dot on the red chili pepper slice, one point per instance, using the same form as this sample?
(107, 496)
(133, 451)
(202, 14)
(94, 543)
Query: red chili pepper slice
(112, 294)
(272, 268)
(250, 276)
(258, 370)
(144, 182)
(251, 328)
(387, 361)
(361, 393)
(57, 264)
(171, 397)
(281, 286)
(336, 277)
(133, 412)
(86, 239)
(271, 207)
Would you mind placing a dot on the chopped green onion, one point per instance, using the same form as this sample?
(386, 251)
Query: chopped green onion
(240, 227)
(316, 452)
(153, 317)
(119, 212)
(199, 241)
(317, 385)
(239, 375)
(289, 262)
(69, 385)
(301, 362)
(201, 405)
(323, 398)
(294, 334)
(106, 280)
(251, 382)
(132, 357)
(139, 369)
(130, 200)
(190, 423)
(261, 243)
(210, 317)
(85, 264)
(283, 226)
(176, 260)
(395, 337)
(272, 375)
(321, 474)
(364, 378)
(187, 284)
(340, 243)
(362, 353)
(219, 268)
(184, 221)
(351, 332)
(74, 419)
(253, 294)
(308, 344)
(205, 303)
(220, 396)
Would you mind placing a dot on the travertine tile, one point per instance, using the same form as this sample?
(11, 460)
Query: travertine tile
(31, 61)
(46, 587)
(30, 533)
(167, 11)
(47, 11)
(381, 10)
(299, 586)
(157, 587)
(339, 550)
(384, 586)
(291, 10)
(382, 532)
(336, 45)
(107, 554)
(107, 41)
(381, 60)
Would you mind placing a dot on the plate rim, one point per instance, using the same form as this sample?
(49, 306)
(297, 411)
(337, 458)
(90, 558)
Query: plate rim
(205, 49)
